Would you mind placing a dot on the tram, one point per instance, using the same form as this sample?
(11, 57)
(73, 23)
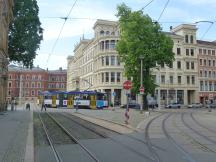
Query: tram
(82, 99)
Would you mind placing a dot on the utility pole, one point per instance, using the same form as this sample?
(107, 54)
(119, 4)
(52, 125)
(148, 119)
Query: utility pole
(141, 83)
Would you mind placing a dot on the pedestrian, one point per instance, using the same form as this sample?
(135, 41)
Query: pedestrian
(43, 106)
(28, 106)
(12, 104)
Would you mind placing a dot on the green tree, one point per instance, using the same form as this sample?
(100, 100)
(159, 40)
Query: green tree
(141, 37)
(25, 33)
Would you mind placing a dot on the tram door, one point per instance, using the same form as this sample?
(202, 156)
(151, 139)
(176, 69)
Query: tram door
(93, 101)
(53, 101)
(70, 101)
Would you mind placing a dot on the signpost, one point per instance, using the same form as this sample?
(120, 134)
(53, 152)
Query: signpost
(127, 86)
(142, 90)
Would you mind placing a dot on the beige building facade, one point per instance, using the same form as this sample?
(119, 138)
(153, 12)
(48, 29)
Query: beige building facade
(5, 18)
(96, 66)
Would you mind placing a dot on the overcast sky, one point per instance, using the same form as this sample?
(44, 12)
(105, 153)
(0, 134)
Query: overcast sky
(51, 11)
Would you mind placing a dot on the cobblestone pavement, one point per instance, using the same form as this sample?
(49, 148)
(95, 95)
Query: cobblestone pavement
(13, 135)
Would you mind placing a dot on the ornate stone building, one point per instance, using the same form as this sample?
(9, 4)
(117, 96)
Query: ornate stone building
(95, 66)
(5, 18)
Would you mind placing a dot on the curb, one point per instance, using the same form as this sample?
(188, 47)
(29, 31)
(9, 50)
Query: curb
(124, 125)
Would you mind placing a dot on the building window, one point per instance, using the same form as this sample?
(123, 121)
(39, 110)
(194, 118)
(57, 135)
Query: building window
(213, 75)
(102, 59)
(162, 79)
(102, 75)
(107, 60)
(188, 79)
(204, 62)
(200, 73)
(186, 38)
(192, 65)
(209, 74)
(171, 65)
(191, 39)
(209, 62)
(205, 73)
(107, 44)
(112, 77)
(215, 86)
(192, 52)
(112, 44)
(210, 86)
(187, 65)
(179, 64)
(101, 32)
(171, 79)
(201, 86)
(33, 85)
(200, 61)
(206, 86)
(187, 52)
(118, 60)
(112, 60)
(118, 76)
(204, 51)
(209, 52)
(179, 79)
(193, 79)
(107, 33)
(10, 77)
(107, 77)
(32, 93)
(9, 93)
(213, 62)
(9, 84)
(200, 51)
(178, 51)
(213, 52)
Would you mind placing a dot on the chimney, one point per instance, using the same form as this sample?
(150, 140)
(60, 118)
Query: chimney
(60, 68)
(47, 69)
(171, 28)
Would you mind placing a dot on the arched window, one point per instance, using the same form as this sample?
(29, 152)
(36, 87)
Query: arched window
(101, 32)
(107, 33)
(113, 33)
(186, 38)
(191, 38)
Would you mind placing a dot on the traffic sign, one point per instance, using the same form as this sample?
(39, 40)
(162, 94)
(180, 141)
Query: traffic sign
(142, 90)
(127, 85)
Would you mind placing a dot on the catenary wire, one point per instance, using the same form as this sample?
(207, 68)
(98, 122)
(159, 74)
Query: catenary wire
(163, 10)
(65, 19)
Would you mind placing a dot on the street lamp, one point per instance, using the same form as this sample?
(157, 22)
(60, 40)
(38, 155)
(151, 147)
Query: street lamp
(141, 82)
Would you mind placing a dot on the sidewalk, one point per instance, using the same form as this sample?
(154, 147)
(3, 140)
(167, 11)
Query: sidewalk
(118, 115)
(14, 126)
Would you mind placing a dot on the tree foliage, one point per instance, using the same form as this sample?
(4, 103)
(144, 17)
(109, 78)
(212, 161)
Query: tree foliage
(141, 37)
(25, 32)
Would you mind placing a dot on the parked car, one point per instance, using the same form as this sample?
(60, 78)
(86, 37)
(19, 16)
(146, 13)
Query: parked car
(211, 105)
(131, 105)
(174, 105)
(195, 105)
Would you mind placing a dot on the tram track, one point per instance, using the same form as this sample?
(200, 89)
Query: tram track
(192, 140)
(195, 131)
(200, 124)
(148, 140)
(172, 140)
(100, 131)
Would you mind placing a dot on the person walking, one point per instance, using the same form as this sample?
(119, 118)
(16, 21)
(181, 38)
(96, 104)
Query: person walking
(28, 106)
(43, 106)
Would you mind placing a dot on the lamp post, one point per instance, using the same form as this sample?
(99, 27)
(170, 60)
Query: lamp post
(141, 83)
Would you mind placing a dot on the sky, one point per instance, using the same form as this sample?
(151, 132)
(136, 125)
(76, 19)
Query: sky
(53, 53)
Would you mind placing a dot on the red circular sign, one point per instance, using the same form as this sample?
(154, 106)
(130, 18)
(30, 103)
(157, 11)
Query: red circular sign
(142, 89)
(127, 85)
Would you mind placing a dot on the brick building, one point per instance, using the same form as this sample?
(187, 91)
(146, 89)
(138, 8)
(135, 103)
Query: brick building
(25, 84)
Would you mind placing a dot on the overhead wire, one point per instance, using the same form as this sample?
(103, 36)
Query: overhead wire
(163, 10)
(147, 4)
(65, 19)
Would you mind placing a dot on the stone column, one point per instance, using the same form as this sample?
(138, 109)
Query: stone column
(185, 97)
(123, 97)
